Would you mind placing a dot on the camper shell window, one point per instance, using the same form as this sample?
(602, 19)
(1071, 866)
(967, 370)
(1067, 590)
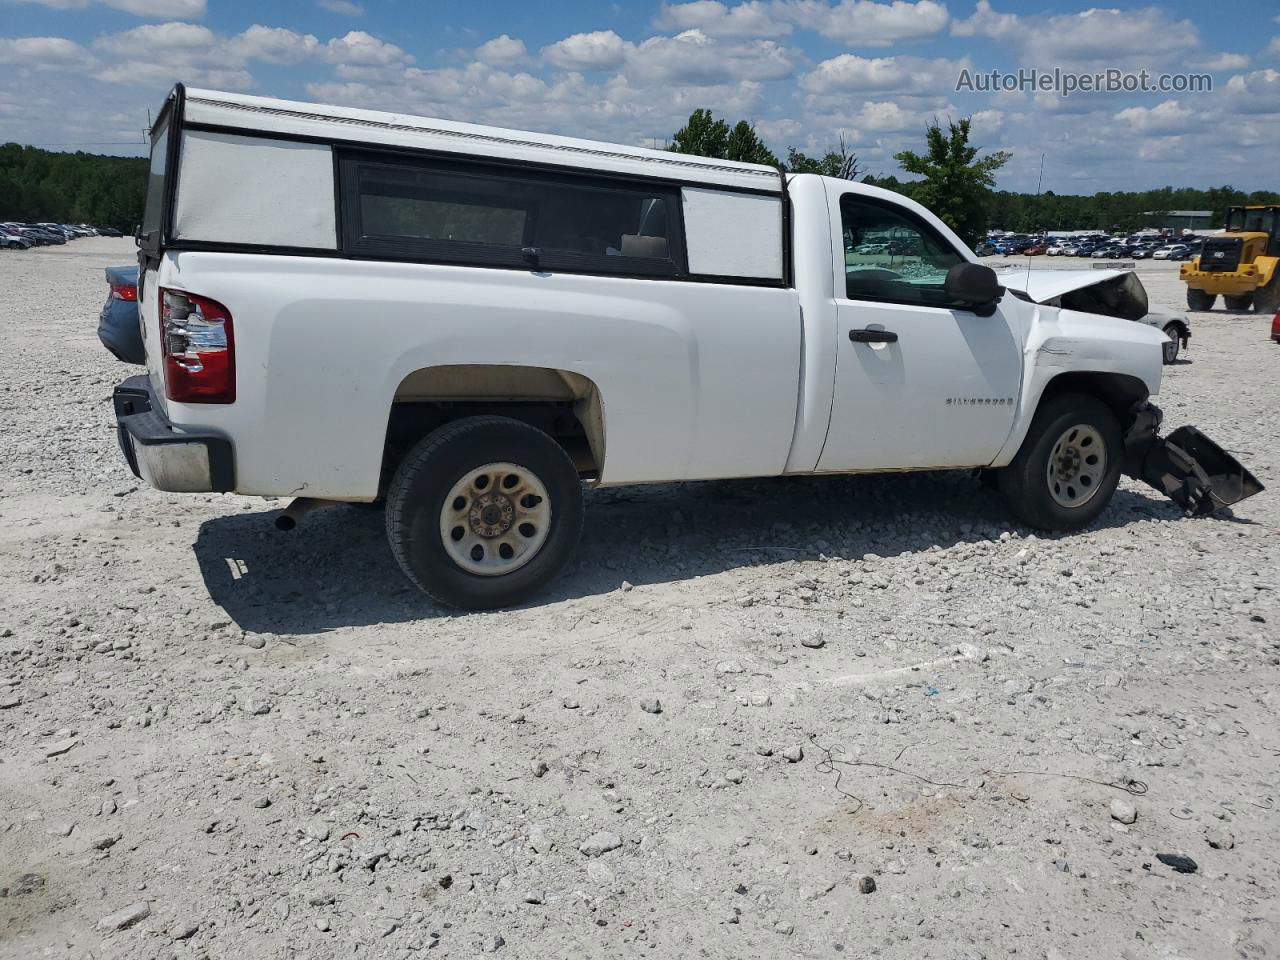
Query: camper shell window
(445, 211)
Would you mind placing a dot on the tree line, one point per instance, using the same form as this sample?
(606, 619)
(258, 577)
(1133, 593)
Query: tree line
(42, 186)
(958, 185)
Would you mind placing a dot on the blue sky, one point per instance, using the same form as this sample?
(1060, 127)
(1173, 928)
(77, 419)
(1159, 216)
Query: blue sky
(82, 73)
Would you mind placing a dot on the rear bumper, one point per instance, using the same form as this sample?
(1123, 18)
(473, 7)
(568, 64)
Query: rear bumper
(165, 458)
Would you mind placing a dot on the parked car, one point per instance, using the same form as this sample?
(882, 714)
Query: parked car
(108, 232)
(1035, 250)
(1117, 251)
(119, 327)
(985, 248)
(47, 236)
(1175, 327)
(667, 346)
(12, 241)
(1057, 249)
(1172, 251)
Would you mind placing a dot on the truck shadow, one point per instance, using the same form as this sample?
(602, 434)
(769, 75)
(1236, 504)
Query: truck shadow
(335, 570)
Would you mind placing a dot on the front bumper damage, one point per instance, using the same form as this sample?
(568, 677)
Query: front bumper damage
(1186, 466)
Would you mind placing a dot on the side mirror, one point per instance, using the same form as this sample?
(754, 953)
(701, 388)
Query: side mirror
(975, 286)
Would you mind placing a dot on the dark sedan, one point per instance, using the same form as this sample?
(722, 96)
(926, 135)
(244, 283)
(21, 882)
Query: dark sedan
(118, 326)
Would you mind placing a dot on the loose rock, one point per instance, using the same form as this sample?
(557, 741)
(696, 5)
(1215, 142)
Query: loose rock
(125, 917)
(1122, 811)
(600, 843)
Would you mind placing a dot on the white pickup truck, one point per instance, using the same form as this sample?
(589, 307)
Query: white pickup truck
(470, 322)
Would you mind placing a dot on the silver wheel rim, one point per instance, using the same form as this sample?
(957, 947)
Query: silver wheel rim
(495, 519)
(1077, 465)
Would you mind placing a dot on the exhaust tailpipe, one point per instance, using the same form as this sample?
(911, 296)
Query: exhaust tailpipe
(299, 508)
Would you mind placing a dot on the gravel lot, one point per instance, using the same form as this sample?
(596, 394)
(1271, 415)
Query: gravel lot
(217, 740)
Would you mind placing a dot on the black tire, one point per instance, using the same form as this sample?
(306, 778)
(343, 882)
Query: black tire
(426, 476)
(1267, 299)
(1025, 482)
(1199, 300)
(1242, 302)
(1174, 333)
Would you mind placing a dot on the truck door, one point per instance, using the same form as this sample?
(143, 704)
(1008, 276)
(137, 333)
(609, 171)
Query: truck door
(920, 381)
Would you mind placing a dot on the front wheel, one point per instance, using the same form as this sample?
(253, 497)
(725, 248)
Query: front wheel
(1069, 464)
(484, 512)
(1174, 335)
(1242, 302)
(1199, 300)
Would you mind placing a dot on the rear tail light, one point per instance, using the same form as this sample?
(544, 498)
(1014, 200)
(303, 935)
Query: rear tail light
(198, 349)
(124, 291)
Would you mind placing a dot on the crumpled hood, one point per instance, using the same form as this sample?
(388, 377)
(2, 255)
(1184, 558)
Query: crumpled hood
(1111, 293)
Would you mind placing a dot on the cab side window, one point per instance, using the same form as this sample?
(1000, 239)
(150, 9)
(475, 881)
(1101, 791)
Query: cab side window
(892, 256)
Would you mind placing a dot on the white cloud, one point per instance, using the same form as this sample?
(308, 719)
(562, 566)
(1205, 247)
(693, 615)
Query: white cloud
(884, 115)
(51, 52)
(161, 9)
(598, 50)
(848, 73)
(691, 57)
(345, 7)
(864, 23)
(755, 18)
(1126, 38)
(1274, 46)
(501, 50)
(1169, 117)
(985, 22)
(1255, 93)
(987, 121)
(158, 37)
(165, 52)
(150, 9)
(1122, 36)
(358, 47)
(1224, 61)
(694, 58)
(270, 44)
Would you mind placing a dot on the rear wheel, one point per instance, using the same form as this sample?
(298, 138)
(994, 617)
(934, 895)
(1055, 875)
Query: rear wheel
(1069, 464)
(1199, 300)
(484, 512)
(1242, 302)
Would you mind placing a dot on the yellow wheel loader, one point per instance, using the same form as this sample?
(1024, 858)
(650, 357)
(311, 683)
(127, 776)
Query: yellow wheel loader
(1242, 263)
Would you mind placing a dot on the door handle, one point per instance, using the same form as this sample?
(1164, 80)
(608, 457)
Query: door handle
(873, 336)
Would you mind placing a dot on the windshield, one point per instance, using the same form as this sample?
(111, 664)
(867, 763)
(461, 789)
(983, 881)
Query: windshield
(1252, 221)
